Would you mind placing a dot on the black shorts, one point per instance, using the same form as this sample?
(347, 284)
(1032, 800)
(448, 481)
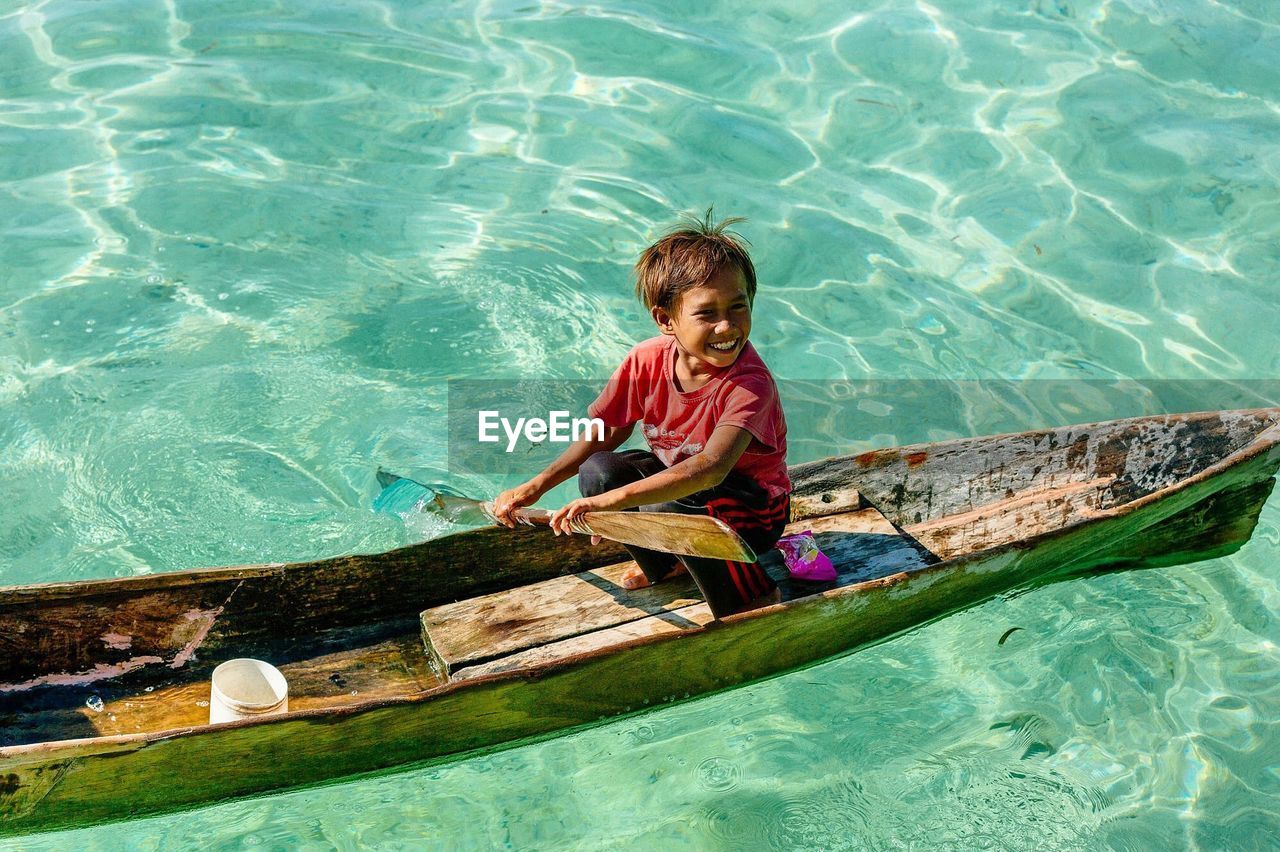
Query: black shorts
(739, 501)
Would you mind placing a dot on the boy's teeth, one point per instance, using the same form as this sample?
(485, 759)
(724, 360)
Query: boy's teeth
(724, 347)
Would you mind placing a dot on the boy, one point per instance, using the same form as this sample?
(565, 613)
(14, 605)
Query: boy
(709, 410)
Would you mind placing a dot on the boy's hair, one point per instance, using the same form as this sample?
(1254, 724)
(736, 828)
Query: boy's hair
(687, 257)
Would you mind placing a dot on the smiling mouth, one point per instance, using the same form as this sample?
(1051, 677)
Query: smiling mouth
(727, 346)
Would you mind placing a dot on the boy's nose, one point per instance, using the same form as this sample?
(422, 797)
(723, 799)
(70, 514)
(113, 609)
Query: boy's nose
(723, 327)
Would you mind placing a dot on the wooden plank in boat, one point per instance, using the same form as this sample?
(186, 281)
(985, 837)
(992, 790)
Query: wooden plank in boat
(674, 621)
(472, 631)
(469, 633)
(1017, 517)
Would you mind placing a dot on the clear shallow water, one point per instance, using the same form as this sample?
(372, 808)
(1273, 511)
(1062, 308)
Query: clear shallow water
(245, 245)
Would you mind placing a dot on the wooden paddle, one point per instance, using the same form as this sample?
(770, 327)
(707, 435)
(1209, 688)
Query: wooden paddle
(684, 535)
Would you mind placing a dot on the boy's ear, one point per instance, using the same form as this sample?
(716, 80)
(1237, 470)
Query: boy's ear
(663, 320)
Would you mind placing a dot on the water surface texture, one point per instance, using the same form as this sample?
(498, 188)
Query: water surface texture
(245, 245)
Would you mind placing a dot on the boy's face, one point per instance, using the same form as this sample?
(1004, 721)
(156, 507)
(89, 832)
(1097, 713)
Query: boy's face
(711, 322)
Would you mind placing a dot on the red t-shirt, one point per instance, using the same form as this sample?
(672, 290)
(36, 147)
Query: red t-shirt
(678, 424)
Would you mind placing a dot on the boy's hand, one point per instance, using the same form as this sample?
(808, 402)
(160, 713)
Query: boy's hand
(563, 518)
(506, 503)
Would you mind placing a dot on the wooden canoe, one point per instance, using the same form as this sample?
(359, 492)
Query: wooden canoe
(491, 637)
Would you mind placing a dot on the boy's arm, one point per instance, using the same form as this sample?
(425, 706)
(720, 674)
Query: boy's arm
(564, 467)
(707, 469)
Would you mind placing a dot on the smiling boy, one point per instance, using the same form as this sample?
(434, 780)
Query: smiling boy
(708, 409)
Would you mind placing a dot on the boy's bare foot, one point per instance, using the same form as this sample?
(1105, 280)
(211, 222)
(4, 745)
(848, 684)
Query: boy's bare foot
(635, 578)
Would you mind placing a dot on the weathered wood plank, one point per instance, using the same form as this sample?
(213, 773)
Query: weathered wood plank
(674, 621)
(815, 504)
(868, 520)
(1018, 516)
(471, 631)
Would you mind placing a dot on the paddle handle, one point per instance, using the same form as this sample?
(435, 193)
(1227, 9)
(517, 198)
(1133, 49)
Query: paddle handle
(533, 516)
(541, 517)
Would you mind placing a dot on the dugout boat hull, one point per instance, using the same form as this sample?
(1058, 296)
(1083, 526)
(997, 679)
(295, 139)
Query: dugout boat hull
(376, 683)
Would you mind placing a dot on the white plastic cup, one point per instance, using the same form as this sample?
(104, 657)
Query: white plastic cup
(244, 688)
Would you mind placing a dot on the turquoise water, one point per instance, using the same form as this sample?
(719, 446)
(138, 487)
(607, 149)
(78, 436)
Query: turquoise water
(246, 244)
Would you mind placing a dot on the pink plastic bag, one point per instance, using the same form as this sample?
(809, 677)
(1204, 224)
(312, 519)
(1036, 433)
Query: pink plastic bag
(804, 560)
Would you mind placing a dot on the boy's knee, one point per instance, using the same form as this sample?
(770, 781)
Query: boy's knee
(597, 473)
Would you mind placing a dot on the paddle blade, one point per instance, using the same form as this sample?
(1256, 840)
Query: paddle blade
(402, 496)
(686, 535)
